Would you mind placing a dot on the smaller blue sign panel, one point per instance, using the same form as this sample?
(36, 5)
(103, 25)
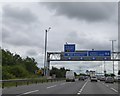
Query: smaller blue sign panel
(69, 48)
(75, 54)
(99, 53)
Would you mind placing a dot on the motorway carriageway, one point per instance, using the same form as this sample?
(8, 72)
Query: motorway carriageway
(63, 87)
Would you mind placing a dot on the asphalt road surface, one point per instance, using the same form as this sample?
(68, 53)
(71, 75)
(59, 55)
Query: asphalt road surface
(63, 87)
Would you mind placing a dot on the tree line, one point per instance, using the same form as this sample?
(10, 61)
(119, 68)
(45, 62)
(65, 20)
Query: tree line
(16, 67)
(60, 73)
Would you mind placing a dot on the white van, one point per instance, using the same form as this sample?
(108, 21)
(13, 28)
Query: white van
(70, 76)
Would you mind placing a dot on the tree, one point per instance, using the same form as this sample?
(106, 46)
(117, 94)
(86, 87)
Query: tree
(75, 73)
(60, 73)
(30, 64)
(14, 66)
(118, 72)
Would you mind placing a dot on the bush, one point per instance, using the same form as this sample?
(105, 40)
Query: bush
(6, 73)
(19, 71)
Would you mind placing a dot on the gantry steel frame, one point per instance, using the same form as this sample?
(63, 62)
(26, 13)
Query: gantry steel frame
(56, 56)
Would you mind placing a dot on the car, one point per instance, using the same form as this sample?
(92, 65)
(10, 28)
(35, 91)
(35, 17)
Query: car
(98, 77)
(86, 77)
(117, 78)
(109, 80)
(93, 78)
(82, 78)
(102, 78)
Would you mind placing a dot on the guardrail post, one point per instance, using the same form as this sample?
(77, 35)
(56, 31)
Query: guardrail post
(27, 82)
(2, 84)
(36, 81)
(16, 84)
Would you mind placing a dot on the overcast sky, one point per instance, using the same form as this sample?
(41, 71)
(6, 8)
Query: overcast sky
(89, 25)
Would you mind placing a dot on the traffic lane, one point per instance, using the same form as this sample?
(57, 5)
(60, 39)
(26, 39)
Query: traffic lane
(27, 88)
(111, 85)
(97, 88)
(63, 88)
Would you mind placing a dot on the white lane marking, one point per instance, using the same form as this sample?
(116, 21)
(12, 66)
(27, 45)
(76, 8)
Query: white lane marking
(107, 85)
(31, 92)
(78, 93)
(62, 83)
(114, 90)
(51, 86)
(27, 92)
(82, 88)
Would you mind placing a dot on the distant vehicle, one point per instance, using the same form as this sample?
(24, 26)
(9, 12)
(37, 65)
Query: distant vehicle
(117, 78)
(92, 73)
(70, 76)
(109, 80)
(102, 78)
(93, 78)
(86, 77)
(98, 77)
(82, 78)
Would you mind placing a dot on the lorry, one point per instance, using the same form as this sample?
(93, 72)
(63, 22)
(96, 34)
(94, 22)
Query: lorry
(92, 73)
(70, 76)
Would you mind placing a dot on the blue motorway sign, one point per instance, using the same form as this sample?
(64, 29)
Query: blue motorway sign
(69, 48)
(94, 55)
(99, 53)
(74, 54)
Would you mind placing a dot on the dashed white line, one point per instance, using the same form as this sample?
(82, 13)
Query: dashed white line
(114, 90)
(111, 88)
(107, 85)
(82, 88)
(78, 93)
(28, 92)
(51, 86)
(62, 83)
(31, 92)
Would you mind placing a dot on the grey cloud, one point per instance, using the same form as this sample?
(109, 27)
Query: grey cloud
(19, 27)
(15, 14)
(5, 33)
(75, 37)
(31, 52)
(89, 11)
(84, 41)
(22, 41)
(19, 39)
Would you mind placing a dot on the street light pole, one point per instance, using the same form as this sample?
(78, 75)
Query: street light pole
(113, 53)
(104, 68)
(45, 61)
